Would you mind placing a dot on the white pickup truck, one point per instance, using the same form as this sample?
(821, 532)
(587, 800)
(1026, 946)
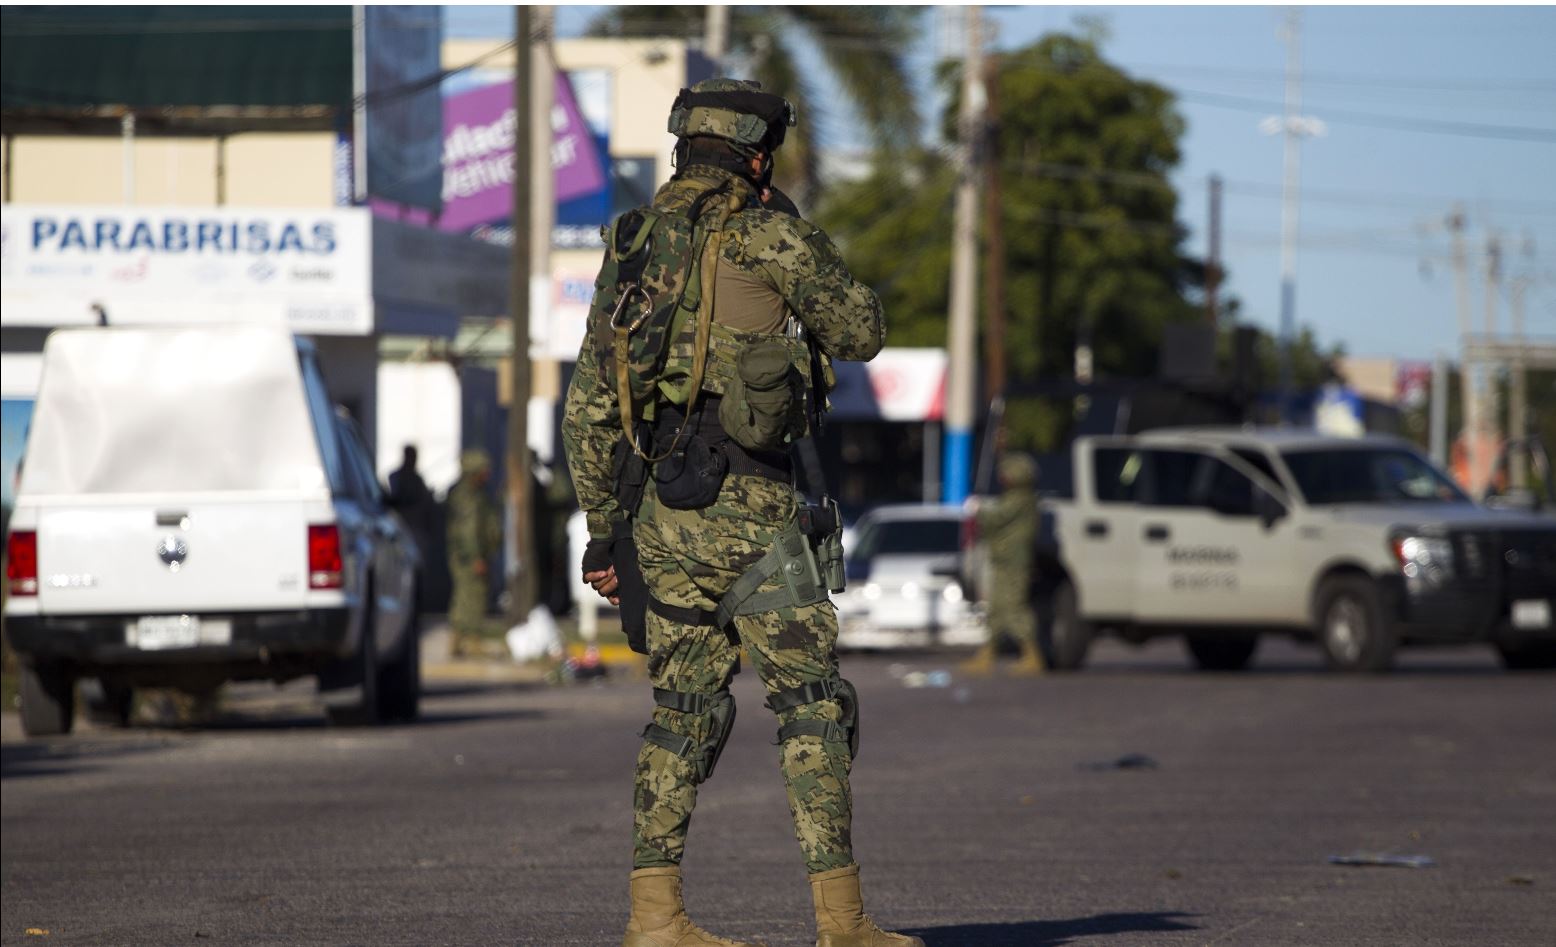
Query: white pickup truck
(1220, 535)
(193, 510)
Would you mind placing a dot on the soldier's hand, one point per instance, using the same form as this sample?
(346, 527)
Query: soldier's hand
(604, 582)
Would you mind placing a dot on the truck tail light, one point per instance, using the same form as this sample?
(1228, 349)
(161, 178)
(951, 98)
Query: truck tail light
(324, 562)
(21, 562)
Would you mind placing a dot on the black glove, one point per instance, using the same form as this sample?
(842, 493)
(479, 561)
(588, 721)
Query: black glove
(597, 556)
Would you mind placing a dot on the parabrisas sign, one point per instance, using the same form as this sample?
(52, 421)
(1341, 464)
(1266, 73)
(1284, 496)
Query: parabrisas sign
(73, 264)
(117, 234)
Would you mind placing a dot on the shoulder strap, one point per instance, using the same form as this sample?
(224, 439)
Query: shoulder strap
(707, 262)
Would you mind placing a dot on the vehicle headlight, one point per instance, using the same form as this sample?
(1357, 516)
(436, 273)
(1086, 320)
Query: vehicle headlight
(871, 591)
(1427, 559)
(952, 593)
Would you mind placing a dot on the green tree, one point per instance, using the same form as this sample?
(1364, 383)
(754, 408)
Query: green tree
(864, 48)
(1092, 246)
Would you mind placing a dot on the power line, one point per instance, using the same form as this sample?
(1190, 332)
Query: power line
(1393, 122)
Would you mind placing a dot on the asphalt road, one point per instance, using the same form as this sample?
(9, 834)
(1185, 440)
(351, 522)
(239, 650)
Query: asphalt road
(504, 818)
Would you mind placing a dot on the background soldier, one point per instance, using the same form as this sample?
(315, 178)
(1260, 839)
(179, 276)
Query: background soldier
(1008, 525)
(474, 539)
(715, 523)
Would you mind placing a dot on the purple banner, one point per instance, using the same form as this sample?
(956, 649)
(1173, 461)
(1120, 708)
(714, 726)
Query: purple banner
(478, 154)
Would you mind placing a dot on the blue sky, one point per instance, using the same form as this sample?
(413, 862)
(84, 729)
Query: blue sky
(1372, 269)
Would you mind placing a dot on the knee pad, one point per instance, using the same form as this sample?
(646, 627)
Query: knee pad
(718, 707)
(845, 730)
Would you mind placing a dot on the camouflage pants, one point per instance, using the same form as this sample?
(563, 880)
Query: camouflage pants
(689, 559)
(1009, 610)
(467, 601)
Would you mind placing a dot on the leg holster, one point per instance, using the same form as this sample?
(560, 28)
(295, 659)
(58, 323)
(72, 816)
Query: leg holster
(719, 707)
(833, 731)
(791, 557)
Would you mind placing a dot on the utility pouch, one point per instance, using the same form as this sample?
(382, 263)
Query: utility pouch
(629, 474)
(631, 589)
(691, 475)
(758, 411)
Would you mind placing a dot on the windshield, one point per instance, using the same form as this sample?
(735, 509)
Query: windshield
(1359, 475)
(909, 538)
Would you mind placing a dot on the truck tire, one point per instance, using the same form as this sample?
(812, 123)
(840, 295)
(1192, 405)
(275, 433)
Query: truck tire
(1528, 656)
(364, 711)
(1352, 628)
(1221, 652)
(107, 704)
(48, 700)
(1068, 635)
(399, 680)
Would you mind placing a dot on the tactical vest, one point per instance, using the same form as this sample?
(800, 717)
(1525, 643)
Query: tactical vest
(652, 316)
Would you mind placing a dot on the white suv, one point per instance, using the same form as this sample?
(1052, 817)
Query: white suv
(192, 510)
(1220, 535)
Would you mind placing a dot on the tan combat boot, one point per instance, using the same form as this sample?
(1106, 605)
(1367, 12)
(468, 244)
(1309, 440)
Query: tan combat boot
(658, 918)
(981, 664)
(840, 917)
(1030, 663)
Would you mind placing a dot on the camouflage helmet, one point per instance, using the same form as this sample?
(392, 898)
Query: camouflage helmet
(1018, 470)
(474, 461)
(736, 110)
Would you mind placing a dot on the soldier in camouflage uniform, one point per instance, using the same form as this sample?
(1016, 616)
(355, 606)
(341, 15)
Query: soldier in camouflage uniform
(772, 272)
(1008, 526)
(474, 538)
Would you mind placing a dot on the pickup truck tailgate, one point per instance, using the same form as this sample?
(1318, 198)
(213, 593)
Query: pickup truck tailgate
(138, 558)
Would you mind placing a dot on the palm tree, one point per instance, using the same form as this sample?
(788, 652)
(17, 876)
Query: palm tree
(864, 48)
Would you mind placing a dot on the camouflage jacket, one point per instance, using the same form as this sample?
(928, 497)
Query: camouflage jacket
(791, 257)
(1008, 524)
(474, 525)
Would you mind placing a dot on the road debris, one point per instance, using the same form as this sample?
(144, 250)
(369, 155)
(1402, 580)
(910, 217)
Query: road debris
(1127, 761)
(1382, 860)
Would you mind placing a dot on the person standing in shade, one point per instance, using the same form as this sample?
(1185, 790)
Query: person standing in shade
(474, 540)
(1008, 525)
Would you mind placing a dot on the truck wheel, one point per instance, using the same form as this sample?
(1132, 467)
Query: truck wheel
(107, 704)
(1529, 656)
(364, 711)
(399, 682)
(48, 701)
(1069, 635)
(1354, 632)
(1221, 652)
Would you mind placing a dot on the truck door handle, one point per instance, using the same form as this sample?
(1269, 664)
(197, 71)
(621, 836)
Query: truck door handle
(1097, 528)
(1157, 533)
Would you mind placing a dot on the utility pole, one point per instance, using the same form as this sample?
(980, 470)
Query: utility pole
(994, 245)
(1439, 411)
(961, 376)
(715, 36)
(1467, 406)
(1490, 410)
(1295, 127)
(1213, 263)
(1518, 396)
(522, 585)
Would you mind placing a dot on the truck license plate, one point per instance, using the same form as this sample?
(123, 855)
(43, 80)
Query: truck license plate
(1532, 613)
(164, 632)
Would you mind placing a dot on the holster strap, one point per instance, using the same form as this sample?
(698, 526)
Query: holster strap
(743, 598)
(681, 746)
(684, 614)
(686, 703)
